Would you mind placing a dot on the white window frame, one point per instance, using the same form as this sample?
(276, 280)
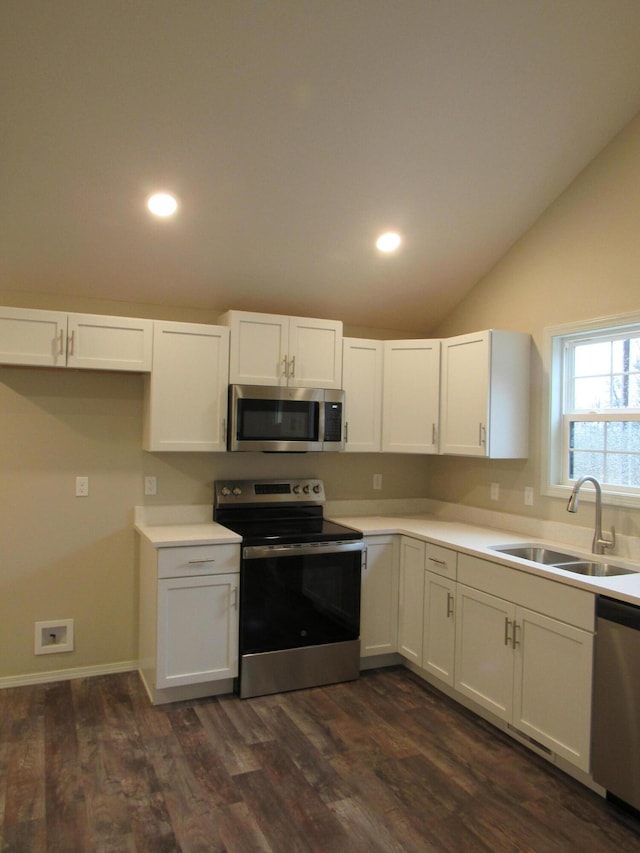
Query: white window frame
(555, 438)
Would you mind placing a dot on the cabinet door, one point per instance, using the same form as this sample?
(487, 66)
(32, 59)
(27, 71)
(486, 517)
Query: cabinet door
(186, 394)
(552, 685)
(465, 395)
(484, 653)
(438, 648)
(379, 607)
(259, 348)
(31, 337)
(315, 353)
(362, 383)
(411, 396)
(109, 343)
(410, 611)
(197, 629)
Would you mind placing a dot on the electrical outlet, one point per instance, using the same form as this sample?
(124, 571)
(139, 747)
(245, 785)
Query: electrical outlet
(150, 486)
(82, 487)
(53, 636)
(528, 495)
(495, 491)
(377, 481)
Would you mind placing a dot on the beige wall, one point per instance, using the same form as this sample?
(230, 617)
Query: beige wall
(66, 557)
(581, 260)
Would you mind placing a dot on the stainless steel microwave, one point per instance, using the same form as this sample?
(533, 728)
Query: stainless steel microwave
(285, 420)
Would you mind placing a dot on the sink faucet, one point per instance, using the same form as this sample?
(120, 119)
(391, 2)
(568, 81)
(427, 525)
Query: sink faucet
(600, 542)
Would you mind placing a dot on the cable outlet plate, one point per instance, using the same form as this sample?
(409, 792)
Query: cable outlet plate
(53, 636)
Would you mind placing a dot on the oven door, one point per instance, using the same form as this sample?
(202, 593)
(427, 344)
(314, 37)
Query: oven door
(293, 596)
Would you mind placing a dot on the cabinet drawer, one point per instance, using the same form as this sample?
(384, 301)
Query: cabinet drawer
(442, 561)
(189, 560)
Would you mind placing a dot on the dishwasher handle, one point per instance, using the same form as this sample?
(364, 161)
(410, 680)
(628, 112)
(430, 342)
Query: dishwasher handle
(618, 611)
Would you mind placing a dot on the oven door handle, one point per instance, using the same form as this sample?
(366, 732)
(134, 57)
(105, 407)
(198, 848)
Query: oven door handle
(262, 552)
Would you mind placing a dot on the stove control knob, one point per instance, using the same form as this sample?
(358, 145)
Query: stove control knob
(296, 489)
(316, 488)
(306, 489)
(225, 490)
(237, 491)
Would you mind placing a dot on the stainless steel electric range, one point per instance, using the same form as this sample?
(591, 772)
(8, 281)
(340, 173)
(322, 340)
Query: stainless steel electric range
(299, 585)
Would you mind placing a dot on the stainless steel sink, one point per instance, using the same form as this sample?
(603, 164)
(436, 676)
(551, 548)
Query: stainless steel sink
(560, 560)
(536, 554)
(595, 570)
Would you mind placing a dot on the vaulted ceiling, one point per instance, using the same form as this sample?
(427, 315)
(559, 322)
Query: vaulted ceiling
(293, 132)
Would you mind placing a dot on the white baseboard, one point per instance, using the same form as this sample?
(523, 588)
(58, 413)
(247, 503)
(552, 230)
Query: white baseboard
(67, 674)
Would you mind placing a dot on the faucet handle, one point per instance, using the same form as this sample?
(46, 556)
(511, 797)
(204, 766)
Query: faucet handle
(607, 542)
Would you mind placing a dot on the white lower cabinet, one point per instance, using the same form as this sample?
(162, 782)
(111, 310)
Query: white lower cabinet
(553, 684)
(484, 657)
(438, 648)
(379, 602)
(188, 619)
(529, 668)
(197, 629)
(411, 599)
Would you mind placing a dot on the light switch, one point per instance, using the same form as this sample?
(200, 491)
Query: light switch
(82, 487)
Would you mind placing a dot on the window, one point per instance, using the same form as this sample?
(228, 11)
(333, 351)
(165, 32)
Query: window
(594, 414)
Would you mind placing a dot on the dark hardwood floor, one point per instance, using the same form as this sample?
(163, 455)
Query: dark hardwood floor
(381, 764)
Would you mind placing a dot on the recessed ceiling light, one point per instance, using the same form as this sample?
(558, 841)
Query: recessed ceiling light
(162, 204)
(388, 242)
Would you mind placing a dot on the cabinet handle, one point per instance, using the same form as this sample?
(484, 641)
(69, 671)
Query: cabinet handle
(235, 598)
(449, 605)
(72, 343)
(285, 371)
(516, 628)
(438, 562)
(434, 434)
(61, 343)
(198, 562)
(482, 434)
(293, 367)
(346, 432)
(507, 638)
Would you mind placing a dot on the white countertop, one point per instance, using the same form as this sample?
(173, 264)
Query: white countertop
(203, 533)
(159, 526)
(478, 541)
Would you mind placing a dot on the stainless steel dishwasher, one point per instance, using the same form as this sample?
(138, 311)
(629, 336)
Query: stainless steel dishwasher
(616, 702)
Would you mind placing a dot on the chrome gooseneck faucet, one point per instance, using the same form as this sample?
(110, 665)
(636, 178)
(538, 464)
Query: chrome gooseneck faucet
(600, 542)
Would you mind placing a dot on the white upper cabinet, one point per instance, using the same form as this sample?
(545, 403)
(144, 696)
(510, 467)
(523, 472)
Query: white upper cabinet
(411, 396)
(484, 404)
(362, 362)
(270, 349)
(57, 339)
(186, 393)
